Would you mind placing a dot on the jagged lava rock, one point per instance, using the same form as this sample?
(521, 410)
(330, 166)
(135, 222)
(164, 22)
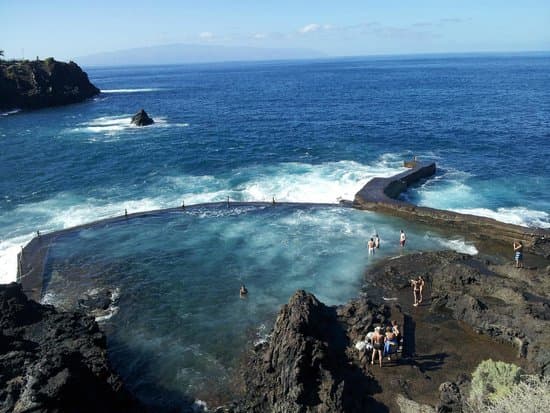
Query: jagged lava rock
(306, 366)
(53, 361)
(508, 304)
(42, 83)
(142, 119)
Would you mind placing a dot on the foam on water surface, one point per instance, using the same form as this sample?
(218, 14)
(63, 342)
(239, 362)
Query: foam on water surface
(180, 317)
(137, 90)
(290, 182)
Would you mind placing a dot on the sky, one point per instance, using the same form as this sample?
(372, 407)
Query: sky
(69, 29)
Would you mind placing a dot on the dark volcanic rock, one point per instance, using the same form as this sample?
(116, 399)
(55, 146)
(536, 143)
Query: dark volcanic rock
(306, 366)
(142, 119)
(42, 83)
(450, 398)
(507, 304)
(54, 361)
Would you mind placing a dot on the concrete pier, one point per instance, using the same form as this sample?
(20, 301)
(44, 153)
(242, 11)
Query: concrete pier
(380, 195)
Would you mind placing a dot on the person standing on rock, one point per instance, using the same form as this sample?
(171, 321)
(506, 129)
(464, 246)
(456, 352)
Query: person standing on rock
(416, 291)
(421, 288)
(377, 345)
(518, 254)
(402, 239)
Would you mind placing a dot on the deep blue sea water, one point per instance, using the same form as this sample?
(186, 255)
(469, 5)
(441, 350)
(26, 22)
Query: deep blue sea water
(306, 131)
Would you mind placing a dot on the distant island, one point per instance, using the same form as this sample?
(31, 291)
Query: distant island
(26, 84)
(180, 53)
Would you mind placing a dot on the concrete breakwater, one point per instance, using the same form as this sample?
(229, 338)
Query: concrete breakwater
(380, 195)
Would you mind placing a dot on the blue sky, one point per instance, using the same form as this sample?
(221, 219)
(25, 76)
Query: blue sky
(68, 29)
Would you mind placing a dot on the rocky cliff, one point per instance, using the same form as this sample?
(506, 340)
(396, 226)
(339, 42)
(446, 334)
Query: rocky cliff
(53, 361)
(308, 364)
(42, 83)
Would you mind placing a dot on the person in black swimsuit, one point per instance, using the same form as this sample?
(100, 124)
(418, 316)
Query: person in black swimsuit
(378, 345)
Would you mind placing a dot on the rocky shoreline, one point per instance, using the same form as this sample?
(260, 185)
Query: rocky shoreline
(473, 310)
(53, 361)
(36, 84)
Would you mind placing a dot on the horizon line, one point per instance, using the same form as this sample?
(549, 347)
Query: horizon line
(329, 57)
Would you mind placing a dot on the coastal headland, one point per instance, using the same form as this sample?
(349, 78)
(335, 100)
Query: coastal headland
(474, 309)
(35, 84)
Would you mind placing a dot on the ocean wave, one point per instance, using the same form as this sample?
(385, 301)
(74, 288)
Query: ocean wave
(10, 112)
(459, 245)
(286, 182)
(262, 335)
(516, 215)
(139, 90)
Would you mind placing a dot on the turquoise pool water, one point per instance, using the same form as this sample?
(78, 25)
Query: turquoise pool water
(179, 327)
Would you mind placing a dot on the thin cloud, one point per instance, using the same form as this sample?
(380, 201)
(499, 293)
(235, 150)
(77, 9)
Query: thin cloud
(315, 27)
(310, 28)
(206, 35)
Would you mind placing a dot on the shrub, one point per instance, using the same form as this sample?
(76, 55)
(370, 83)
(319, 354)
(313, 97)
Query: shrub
(492, 381)
(531, 395)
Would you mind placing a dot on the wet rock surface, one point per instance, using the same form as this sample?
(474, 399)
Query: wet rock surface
(472, 310)
(505, 303)
(308, 365)
(53, 361)
(142, 119)
(42, 83)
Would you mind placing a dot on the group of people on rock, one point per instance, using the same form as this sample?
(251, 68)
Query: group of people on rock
(383, 342)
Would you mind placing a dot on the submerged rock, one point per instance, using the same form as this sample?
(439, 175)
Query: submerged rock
(54, 361)
(42, 83)
(142, 119)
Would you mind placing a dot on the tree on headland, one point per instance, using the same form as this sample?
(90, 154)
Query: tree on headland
(1, 53)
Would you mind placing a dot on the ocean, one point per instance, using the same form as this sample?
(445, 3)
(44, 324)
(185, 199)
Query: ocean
(299, 131)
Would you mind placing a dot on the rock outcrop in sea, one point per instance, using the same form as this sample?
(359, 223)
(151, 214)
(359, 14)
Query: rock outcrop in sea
(38, 84)
(142, 119)
(52, 361)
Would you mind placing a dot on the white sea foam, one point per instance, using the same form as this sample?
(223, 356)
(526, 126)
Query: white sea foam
(10, 112)
(294, 182)
(517, 215)
(141, 90)
(9, 249)
(113, 307)
(459, 245)
(199, 406)
(113, 125)
(298, 182)
(262, 335)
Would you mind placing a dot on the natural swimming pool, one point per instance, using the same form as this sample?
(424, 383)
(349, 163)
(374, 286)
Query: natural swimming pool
(180, 327)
